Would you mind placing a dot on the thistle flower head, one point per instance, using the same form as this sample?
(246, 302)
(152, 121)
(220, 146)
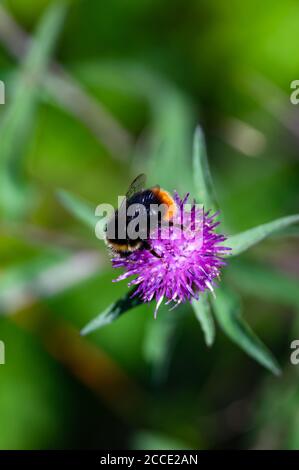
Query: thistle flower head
(189, 262)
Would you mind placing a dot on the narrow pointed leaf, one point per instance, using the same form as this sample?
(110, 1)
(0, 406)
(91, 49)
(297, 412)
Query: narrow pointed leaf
(113, 312)
(173, 121)
(203, 183)
(81, 209)
(244, 240)
(264, 281)
(39, 277)
(228, 313)
(158, 343)
(203, 313)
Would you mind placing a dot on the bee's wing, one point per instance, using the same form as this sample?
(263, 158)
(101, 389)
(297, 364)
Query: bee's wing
(136, 186)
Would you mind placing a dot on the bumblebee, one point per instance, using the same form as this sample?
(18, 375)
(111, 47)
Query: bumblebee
(147, 200)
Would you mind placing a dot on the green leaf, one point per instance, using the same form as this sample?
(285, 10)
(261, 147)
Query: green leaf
(244, 240)
(203, 183)
(158, 342)
(292, 232)
(203, 313)
(19, 115)
(113, 312)
(264, 281)
(81, 209)
(173, 123)
(228, 313)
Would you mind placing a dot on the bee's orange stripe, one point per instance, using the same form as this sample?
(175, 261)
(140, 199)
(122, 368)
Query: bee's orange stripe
(166, 199)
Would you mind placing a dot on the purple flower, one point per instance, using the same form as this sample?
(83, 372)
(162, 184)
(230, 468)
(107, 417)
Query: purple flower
(190, 262)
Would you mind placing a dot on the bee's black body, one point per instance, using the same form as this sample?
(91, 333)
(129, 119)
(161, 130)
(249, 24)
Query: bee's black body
(150, 200)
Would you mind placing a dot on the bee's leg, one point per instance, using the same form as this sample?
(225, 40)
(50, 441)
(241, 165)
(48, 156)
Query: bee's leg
(147, 246)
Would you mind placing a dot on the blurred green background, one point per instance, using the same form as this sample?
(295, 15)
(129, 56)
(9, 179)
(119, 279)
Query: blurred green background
(103, 89)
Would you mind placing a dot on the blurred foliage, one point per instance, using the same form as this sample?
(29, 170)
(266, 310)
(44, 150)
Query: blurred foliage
(139, 76)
